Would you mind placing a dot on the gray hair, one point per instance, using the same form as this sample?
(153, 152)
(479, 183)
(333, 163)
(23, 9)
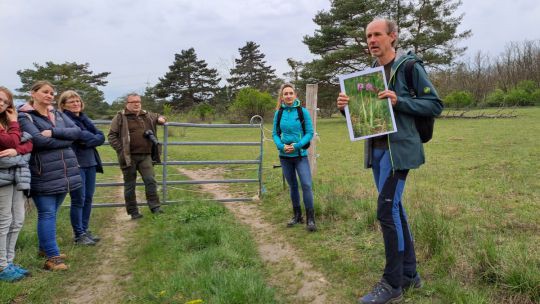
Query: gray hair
(391, 27)
(131, 94)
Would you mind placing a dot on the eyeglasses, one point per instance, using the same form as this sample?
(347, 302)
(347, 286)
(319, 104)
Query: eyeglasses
(73, 101)
(135, 102)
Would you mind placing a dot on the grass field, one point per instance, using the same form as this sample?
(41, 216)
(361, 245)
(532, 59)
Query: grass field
(474, 209)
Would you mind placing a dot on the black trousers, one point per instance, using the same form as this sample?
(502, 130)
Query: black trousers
(143, 164)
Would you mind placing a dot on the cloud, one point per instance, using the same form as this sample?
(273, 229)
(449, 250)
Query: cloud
(136, 40)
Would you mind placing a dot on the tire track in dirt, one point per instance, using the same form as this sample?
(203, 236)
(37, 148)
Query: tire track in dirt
(297, 279)
(105, 285)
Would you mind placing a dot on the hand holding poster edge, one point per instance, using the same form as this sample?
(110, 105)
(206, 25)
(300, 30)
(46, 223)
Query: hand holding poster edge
(367, 115)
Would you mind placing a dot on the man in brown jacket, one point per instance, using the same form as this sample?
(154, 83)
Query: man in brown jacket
(132, 136)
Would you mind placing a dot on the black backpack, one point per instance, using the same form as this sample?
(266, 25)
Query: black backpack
(302, 121)
(424, 124)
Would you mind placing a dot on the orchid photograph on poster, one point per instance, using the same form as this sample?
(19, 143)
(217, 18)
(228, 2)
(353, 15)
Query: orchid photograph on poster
(367, 115)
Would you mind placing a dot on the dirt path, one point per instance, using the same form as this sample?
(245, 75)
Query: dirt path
(295, 277)
(104, 286)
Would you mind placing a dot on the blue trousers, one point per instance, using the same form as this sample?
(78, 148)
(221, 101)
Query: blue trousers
(398, 240)
(47, 207)
(298, 165)
(81, 201)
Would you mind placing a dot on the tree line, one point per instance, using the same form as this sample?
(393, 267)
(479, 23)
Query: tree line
(427, 27)
(189, 85)
(511, 79)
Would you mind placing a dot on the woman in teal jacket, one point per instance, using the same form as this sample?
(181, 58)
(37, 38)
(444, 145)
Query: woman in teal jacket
(292, 133)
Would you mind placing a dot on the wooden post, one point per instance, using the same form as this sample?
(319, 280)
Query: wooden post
(311, 106)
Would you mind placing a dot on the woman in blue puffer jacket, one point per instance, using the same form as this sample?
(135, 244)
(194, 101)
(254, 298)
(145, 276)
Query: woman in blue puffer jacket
(291, 136)
(53, 165)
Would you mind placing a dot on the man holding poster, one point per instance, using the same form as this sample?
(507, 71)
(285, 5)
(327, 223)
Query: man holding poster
(391, 157)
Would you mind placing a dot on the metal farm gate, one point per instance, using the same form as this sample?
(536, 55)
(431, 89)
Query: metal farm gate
(255, 122)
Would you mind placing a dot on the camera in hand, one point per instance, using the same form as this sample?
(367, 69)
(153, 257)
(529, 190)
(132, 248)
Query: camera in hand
(150, 136)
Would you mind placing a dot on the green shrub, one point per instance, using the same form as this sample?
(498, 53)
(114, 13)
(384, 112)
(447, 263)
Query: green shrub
(535, 96)
(495, 98)
(250, 102)
(459, 99)
(518, 97)
(204, 112)
(526, 93)
(528, 86)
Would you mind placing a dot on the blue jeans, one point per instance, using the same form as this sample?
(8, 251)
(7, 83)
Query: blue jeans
(47, 207)
(81, 201)
(398, 240)
(290, 167)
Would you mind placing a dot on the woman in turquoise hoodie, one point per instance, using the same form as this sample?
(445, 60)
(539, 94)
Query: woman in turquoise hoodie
(292, 133)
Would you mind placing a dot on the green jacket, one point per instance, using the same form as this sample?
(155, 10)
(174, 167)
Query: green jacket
(119, 134)
(406, 148)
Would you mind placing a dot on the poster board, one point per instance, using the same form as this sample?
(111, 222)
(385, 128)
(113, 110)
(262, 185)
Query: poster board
(367, 115)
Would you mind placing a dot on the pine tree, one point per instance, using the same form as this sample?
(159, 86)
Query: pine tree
(69, 76)
(188, 82)
(251, 70)
(150, 101)
(433, 31)
(427, 27)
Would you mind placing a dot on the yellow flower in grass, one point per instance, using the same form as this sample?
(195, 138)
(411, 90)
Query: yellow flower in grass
(198, 301)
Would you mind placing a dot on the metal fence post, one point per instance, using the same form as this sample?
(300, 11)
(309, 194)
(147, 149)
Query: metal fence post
(261, 127)
(164, 162)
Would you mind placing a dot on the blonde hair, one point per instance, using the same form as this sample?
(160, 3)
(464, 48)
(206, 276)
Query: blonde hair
(280, 93)
(3, 116)
(64, 98)
(38, 85)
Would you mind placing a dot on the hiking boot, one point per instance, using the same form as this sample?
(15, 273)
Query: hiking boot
(136, 216)
(414, 282)
(156, 210)
(382, 293)
(55, 264)
(83, 239)
(10, 274)
(94, 238)
(297, 217)
(310, 224)
(42, 254)
(20, 269)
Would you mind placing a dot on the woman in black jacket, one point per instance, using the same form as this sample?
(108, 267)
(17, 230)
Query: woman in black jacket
(71, 104)
(53, 165)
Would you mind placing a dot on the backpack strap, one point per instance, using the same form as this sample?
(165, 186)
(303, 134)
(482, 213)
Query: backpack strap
(278, 122)
(409, 68)
(300, 112)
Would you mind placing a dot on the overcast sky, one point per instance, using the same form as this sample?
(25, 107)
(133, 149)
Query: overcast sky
(136, 40)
